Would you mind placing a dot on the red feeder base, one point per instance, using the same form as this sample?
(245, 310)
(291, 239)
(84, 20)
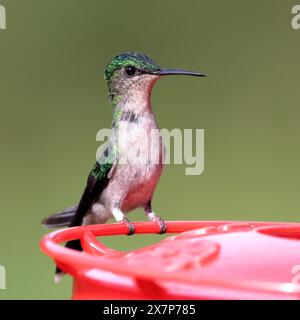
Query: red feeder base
(205, 260)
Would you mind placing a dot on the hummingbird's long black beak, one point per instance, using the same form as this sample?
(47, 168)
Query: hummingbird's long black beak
(166, 72)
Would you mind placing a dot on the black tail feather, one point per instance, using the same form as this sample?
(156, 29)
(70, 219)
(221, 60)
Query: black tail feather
(60, 219)
(73, 244)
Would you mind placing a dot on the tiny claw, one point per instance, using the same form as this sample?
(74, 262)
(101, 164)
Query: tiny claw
(131, 227)
(162, 225)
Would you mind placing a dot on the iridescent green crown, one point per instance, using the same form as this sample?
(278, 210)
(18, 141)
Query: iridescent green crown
(138, 60)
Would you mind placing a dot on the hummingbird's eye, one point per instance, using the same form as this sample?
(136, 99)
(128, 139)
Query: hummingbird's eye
(130, 71)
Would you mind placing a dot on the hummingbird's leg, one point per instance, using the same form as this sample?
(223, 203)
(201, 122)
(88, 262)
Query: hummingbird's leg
(153, 217)
(120, 217)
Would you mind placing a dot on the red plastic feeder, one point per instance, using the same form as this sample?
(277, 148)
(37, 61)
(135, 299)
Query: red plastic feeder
(204, 260)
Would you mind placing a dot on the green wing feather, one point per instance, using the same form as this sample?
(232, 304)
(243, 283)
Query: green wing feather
(96, 183)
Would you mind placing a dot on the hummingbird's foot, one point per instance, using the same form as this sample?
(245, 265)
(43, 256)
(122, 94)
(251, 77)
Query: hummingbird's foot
(120, 217)
(153, 217)
(131, 227)
(161, 223)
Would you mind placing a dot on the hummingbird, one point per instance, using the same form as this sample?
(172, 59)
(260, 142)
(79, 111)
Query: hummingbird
(114, 188)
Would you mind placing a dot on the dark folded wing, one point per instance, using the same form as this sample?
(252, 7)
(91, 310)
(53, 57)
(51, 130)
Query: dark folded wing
(96, 183)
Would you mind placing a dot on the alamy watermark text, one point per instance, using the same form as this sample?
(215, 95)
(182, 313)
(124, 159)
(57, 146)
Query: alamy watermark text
(2, 277)
(2, 18)
(296, 18)
(153, 147)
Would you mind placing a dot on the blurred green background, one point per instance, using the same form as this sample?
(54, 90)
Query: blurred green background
(54, 100)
